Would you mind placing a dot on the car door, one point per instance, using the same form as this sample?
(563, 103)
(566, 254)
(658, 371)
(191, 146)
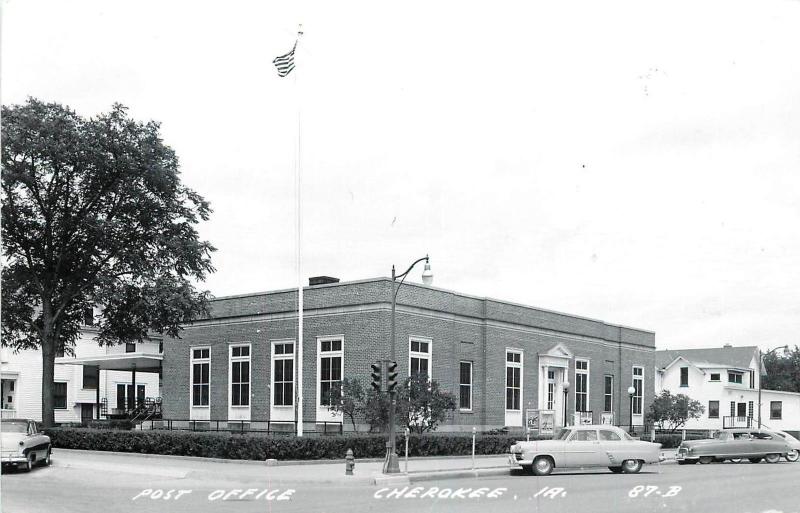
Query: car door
(583, 449)
(769, 443)
(615, 448)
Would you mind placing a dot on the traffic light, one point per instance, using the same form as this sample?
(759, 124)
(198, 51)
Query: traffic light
(391, 376)
(377, 376)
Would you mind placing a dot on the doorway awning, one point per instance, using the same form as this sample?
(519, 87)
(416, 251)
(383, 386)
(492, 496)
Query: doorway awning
(139, 362)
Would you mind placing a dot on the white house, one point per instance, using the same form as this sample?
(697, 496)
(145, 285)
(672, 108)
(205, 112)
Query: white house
(726, 382)
(95, 376)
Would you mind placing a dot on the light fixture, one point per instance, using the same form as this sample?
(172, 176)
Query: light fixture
(631, 391)
(427, 274)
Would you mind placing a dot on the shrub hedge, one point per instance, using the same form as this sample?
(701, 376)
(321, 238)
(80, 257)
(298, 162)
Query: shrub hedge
(261, 447)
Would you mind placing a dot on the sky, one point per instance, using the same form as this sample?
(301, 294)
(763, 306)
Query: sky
(634, 161)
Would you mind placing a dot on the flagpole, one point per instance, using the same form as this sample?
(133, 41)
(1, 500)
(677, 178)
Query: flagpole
(298, 191)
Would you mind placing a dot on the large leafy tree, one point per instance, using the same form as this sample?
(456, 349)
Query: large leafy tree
(94, 213)
(782, 371)
(671, 412)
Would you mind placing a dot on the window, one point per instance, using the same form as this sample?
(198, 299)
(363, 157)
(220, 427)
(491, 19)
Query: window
(752, 380)
(88, 316)
(419, 357)
(608, 394)
(201, 363)
(608, 435)
(513, 379)
(684, 376)
(735, 377)
(330, 368)
(161, 348)
(240, 375)
(775, 410)
(585, 435)
(60, 351)
(714, 376)
(581, 385)
(551, 388)
(733, 408)
(713, 409)
(89, 378)
(750, 409)
(130, 347)
(465, 386)
(283, 373)
(638, 383)
(60, 395)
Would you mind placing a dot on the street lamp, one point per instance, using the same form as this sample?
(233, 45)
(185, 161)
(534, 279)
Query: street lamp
(631, 391)
(760, 373)
(565, 384)
(392, 464)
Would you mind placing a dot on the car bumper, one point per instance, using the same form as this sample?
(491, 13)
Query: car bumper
(13, 459)
(517, 460)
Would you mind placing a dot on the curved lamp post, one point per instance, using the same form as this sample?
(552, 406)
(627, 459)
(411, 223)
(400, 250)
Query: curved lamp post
(761, 356)
(631, 391)
(392, 463)
(565, 385)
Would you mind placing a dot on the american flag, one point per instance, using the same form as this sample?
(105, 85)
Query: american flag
(285, 63)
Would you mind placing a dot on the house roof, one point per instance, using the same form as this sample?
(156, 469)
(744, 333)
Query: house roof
(724, 357)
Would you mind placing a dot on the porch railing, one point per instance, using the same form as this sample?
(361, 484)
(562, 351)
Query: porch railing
(737, 422)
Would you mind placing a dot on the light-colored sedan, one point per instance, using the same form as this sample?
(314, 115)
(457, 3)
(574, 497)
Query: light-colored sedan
(22, 444)
(586, 446)
(735, 445)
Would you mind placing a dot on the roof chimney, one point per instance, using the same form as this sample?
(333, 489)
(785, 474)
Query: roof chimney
(321, 280)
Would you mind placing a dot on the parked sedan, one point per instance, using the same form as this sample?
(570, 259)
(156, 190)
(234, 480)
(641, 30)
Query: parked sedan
(22, 444)
(794, 446)
(735, 445)
(585, 446)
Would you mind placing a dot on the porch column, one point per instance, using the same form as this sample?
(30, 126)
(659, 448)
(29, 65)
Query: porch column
(97, 393)
(133, 382)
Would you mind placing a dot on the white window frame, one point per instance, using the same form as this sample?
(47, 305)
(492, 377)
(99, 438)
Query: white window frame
(192, 362)
(518, 365)
(583, 372)
(328, 354)
(610, 394)
(275, 357)
(66, 395)
(240, 359)
(470, 384)
(551, 389)
(421, 355)
(640, 397)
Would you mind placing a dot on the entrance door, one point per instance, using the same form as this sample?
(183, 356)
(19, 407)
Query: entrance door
(121, 396)
(741, 409)
(87, 412)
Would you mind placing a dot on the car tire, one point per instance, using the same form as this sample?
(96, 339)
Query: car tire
(28, 463)
(705, 460)
(616, 470)
(46, 461)
(736, 460)
(755, 460)
(793, 455)
(542, 466)
(772, 458)
(631, 466)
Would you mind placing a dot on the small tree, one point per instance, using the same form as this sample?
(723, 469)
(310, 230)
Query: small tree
(376, 410)
(671, 412)
(347, 398)
(423, 404)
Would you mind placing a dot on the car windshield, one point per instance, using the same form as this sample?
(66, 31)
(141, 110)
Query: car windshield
(721, 435)
(564, 434)
(14, 427)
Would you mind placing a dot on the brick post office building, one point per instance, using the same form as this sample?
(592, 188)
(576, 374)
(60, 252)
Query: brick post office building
(496, 357)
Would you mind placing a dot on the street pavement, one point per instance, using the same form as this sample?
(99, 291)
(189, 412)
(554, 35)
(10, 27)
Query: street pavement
(82, 481)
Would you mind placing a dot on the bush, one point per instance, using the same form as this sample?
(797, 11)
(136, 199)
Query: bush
(261, 447)
(111, 424)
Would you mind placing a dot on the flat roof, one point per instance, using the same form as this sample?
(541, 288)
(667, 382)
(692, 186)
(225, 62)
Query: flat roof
(140, 362)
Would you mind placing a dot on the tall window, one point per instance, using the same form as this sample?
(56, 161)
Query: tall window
(750, 409)
(419, 352)
(89, 377)
(201, 363)
(775, 409)
(752, 381)
(283, 374)
(581, 385)
(713, 409)
(608, 393)
(465, 386)
(638, 384)
(88, 316)
(513, 379)
(240, 375)
(60, 395)
(330, 368)
(684, 376)
(551, 388)
(733, 408)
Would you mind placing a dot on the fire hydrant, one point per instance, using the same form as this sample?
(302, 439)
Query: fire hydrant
(350, 462)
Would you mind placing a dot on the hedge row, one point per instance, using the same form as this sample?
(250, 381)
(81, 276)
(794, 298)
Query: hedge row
(262, 447)
(671, 441)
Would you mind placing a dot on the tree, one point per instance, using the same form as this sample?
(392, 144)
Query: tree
(94, 213)
(423, 404)
(782, 371)
(376, 410)
(347, 398)
(670, 412)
